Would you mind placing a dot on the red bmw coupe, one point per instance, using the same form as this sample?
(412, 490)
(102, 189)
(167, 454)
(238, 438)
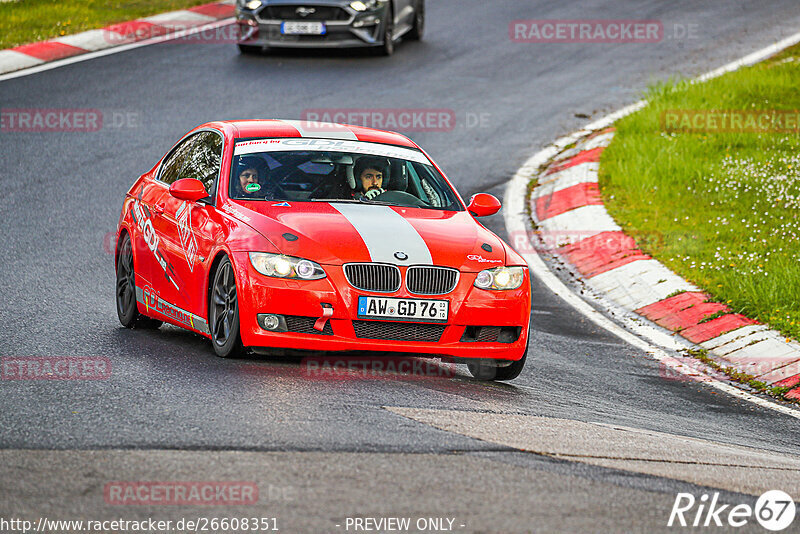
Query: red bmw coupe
(277, 234)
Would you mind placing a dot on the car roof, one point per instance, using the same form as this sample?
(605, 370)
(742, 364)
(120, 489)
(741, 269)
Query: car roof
(324, 130)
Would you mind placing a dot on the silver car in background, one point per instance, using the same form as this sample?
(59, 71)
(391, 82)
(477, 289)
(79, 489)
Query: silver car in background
(377, 24)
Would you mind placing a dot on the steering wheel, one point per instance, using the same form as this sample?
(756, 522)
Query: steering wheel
(400, 197)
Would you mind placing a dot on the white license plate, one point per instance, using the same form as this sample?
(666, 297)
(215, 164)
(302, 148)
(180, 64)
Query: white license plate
(303, 28)
(392, 308)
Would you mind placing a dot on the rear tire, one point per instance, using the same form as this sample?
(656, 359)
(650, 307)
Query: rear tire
(127, 310)
(223, 312)
(418, 29)
(484, 370)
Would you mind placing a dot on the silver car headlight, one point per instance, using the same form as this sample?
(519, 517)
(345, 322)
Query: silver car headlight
(500, 278)
(280, 266)
(250, 4)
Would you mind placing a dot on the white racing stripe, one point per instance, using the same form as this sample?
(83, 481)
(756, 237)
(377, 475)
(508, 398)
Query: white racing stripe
(386, 232)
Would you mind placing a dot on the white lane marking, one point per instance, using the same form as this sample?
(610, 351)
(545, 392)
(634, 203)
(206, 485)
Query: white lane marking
(730, 337)
(91, 40)
(386, 232)
(602, 140)
(321, 130)
(115, 50)
(571, 176)
(644, 337)
(11, 59)
(577, 224)
(639, 284)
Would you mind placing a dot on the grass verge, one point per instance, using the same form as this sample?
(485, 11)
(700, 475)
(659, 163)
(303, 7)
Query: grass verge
(718, 205)
(26, 21)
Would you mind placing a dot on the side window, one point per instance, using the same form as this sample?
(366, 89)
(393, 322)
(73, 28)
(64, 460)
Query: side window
(424, 186)
(204, 159)
(171, 170)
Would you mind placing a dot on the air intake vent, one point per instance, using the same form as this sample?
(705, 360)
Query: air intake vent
(377, 277)
(305, 325)
(398, 331)
(431, 280)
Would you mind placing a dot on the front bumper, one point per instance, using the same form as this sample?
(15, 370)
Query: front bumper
(256, 28)
(470, 307)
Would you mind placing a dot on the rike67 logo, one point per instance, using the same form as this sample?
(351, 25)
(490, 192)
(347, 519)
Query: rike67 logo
(774, 510)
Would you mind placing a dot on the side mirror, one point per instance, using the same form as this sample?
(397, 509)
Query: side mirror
(483, 205)
(190, 189)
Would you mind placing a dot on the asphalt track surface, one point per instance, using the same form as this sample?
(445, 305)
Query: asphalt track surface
(173, 411)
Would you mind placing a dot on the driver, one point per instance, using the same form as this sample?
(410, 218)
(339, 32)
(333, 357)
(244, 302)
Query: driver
(369, 173)
(251, 175)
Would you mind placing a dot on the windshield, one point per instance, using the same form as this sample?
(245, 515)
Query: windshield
(308, 170)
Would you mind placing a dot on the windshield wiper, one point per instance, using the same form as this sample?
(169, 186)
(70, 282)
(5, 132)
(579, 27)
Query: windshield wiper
(385, 203)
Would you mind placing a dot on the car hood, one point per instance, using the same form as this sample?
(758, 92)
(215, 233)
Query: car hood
(342, 232)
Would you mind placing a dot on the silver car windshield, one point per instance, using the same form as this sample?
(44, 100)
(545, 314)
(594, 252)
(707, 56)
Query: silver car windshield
(264, 170)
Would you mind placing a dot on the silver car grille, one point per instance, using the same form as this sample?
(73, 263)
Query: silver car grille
(431, 280)
(378, 277)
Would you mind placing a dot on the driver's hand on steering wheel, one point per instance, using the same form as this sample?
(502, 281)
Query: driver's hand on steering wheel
(372, 193)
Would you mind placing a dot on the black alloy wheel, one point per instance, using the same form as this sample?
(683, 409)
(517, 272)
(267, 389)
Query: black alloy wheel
(224, 312)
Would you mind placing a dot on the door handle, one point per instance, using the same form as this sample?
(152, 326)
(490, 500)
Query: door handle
(159, 209)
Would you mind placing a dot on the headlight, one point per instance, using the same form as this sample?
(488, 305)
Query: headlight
(280, 266)
(500, 278)
(363, 5)
(252, 4)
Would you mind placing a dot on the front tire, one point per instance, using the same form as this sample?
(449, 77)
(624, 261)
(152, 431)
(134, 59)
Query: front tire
(484, 370)
(127, 311)
(223, 313)
(387, 48)
(418, 30)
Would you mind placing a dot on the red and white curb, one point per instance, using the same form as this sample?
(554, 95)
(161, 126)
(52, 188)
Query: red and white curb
(568, 211)
(125, 33)
(624, 283)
